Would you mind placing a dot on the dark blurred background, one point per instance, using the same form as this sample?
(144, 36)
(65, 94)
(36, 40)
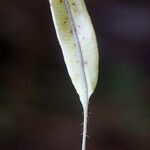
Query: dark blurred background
(39, 108)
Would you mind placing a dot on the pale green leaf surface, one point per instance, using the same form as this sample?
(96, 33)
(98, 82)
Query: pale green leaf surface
(78, 42)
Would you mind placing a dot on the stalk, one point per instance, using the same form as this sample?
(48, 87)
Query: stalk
(85, 124)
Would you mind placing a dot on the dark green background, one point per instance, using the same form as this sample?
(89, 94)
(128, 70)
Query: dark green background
(39, 108)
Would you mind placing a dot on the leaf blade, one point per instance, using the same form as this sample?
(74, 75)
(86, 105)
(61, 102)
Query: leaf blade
(78, 42)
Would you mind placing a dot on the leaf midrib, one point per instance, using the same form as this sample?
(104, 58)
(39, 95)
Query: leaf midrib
(78, 46)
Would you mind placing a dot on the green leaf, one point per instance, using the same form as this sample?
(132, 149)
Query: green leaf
(79, 46)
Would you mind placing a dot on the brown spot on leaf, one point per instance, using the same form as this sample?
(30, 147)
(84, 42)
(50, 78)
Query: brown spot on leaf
(85, 62)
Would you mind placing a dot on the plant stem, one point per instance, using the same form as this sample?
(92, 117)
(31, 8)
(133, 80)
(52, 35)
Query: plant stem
(85, 122)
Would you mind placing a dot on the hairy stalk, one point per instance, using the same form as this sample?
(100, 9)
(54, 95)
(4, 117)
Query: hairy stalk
(85, 123)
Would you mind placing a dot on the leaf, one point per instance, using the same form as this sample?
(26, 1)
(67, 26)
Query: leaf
(79, 46)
